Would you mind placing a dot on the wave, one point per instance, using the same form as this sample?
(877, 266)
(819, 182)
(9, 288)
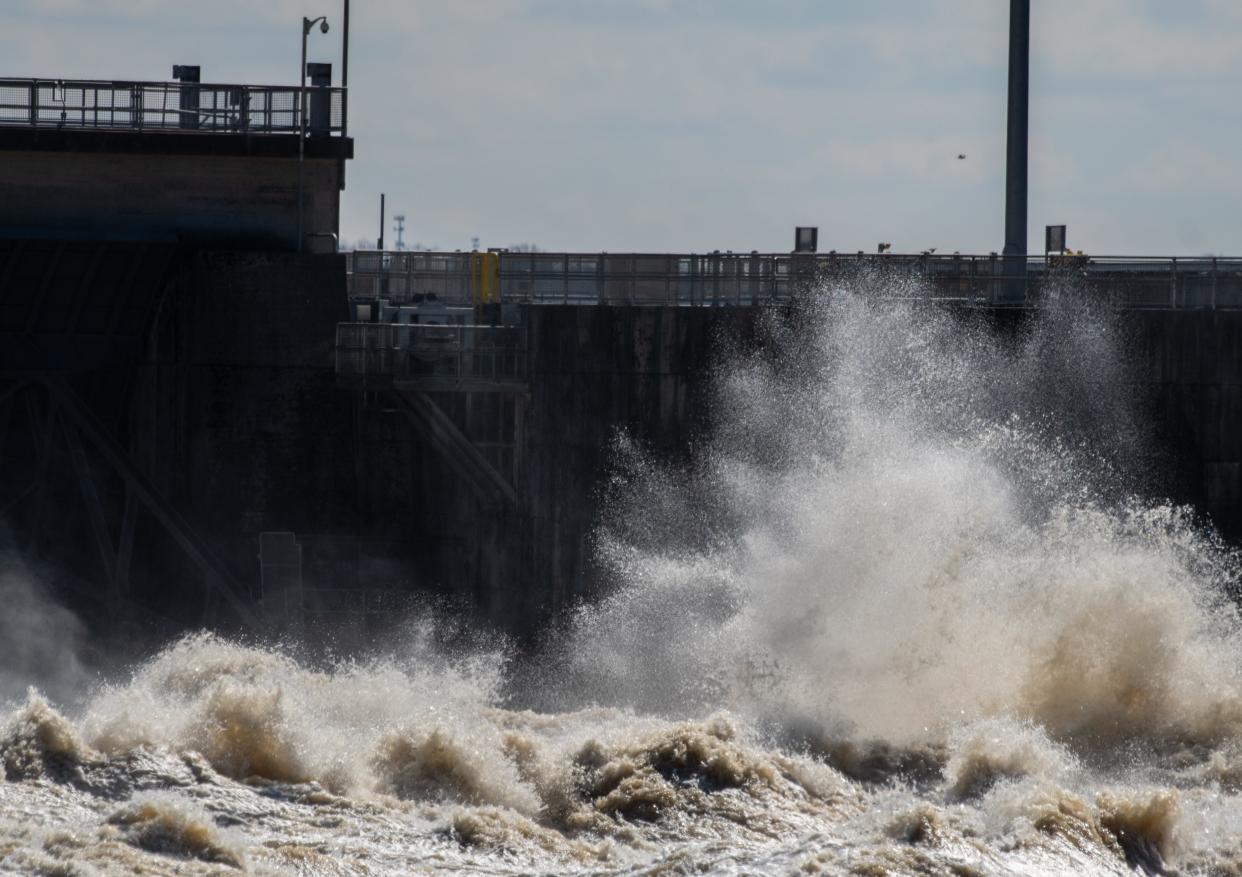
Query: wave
(161, 823)
(890, 538)
(38, 740)
(597, 788)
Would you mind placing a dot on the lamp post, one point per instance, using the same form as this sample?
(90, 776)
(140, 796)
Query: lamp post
(307, 24)
(345, 80)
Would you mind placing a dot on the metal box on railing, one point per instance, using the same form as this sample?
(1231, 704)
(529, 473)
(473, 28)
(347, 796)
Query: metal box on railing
(320, 99)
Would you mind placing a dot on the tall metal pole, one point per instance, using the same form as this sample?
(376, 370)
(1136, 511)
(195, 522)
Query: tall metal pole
(1016, 150)
(302, 126)
(345, 75)
(381, 237)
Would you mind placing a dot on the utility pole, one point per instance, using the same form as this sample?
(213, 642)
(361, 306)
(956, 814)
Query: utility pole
(1016, 151)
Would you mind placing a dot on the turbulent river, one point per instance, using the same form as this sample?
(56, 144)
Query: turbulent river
(914, 606)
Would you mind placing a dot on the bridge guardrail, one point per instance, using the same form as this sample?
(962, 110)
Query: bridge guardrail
(724, 279)
(205, 107)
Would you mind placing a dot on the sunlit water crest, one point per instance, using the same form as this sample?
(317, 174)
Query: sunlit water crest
(904, 612)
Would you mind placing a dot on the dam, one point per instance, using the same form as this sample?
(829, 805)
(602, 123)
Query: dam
(209, 419)
(330, 560)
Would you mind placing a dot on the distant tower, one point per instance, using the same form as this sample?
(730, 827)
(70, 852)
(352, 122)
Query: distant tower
(399, 228)
(474, 244)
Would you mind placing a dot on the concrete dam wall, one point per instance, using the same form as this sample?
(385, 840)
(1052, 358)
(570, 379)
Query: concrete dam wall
(228, 421)
(485, 493)
(1191, 376)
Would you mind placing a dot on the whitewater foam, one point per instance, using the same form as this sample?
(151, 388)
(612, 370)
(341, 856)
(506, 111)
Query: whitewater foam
(162, 823)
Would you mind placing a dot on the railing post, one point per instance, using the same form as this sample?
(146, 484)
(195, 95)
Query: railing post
(188, 97)
(135, 106)
(1213, 283)
(320, 99)
(34, 103)
(1173, 283)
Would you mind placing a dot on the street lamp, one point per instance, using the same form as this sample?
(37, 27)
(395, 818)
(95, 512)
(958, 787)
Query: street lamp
(307, 25)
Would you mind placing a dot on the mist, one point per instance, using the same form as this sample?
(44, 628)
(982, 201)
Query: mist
(42, 643)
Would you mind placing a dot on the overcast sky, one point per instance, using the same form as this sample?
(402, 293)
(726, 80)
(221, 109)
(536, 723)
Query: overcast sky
(680, 125)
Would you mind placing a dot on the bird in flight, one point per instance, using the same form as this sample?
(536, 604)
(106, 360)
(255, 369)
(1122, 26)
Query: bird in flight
(961, 156)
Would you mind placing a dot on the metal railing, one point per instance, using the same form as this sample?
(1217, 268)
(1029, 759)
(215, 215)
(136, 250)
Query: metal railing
(251, 109)
(724, 279)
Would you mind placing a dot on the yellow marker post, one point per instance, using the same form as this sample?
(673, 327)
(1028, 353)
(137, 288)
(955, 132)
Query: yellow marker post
(484, 284)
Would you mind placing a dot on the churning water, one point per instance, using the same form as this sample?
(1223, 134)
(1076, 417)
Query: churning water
(904, 613)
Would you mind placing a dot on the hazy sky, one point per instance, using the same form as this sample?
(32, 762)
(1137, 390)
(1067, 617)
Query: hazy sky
(678, 125)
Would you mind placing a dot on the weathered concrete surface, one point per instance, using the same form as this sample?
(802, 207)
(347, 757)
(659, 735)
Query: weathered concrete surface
(236, 416)
(594, 372)
(1190, 372)
(220, 200)
(257, 436)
